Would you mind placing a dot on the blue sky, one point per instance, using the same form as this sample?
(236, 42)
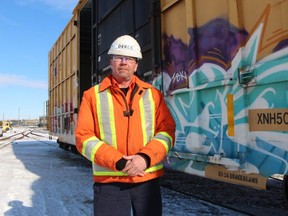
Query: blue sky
(28, 30)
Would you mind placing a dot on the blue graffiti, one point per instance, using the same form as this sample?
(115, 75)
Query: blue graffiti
(199, 103)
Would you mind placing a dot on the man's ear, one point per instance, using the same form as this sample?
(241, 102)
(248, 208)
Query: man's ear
(136, 67)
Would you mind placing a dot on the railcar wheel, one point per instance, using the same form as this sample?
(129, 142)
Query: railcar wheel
(74, 149)
(285, 188)
(66, 146)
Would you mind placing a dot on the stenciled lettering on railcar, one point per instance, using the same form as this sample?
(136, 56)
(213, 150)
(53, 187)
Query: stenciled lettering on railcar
(272, 118)
(268, 119)
(238, 177)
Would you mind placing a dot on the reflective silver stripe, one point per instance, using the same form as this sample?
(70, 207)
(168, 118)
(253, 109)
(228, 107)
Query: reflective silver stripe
(102, 171)
(147, 112)
(165, 139)
(90, 146)
(105, 114)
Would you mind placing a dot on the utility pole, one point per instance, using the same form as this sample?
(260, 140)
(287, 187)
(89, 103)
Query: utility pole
(18, 115)
(44, 104)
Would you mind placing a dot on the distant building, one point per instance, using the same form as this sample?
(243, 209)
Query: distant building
(42, 121)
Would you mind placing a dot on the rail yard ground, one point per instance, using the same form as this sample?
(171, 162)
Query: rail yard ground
(39, 178)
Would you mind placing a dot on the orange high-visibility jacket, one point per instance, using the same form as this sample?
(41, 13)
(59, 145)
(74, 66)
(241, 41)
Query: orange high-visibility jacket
(111, 125)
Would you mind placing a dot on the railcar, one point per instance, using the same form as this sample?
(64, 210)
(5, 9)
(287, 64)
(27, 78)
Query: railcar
(222, 66)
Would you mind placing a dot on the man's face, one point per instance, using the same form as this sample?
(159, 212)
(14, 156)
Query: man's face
(123, 67)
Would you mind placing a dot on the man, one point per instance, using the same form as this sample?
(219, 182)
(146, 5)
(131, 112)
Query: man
(125, 128)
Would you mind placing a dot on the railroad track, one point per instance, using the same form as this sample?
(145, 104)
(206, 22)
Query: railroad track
(30, 133)
(244, 200)
(241, 199)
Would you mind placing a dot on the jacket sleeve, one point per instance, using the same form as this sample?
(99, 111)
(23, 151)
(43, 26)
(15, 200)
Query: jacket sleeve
(88, 142)
(164, 136)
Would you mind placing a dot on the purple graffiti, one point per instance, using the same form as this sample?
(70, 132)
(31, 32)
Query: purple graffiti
(281, 45)
(176, 61)
(216, 42)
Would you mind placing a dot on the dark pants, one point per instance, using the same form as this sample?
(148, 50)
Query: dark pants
(113, 199)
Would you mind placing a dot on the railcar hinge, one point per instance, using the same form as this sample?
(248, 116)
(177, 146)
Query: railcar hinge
(245, 74)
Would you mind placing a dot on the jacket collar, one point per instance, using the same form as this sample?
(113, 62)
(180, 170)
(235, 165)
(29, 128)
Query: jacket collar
(109, 81)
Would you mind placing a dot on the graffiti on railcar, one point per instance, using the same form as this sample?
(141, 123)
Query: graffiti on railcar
(199, 101)
(63, 122)
(216, 43)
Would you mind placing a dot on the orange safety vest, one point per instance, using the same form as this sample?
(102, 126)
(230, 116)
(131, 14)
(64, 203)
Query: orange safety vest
(111, 125)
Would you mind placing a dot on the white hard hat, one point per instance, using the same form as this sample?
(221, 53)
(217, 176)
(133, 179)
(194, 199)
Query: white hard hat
(125, 46)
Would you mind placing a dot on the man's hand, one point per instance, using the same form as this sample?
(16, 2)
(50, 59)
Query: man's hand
(135, 165)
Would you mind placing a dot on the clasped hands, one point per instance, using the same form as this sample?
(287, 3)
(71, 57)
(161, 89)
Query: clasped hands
(135, 165)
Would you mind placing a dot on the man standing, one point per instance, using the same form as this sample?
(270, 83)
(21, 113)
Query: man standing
(125, 128)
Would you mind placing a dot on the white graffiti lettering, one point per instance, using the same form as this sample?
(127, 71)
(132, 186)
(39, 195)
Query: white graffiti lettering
(179, 76)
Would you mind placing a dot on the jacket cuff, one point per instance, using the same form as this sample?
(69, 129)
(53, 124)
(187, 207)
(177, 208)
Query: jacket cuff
(120, 164)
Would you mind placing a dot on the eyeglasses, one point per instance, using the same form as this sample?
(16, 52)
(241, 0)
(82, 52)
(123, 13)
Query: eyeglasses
(123, 58)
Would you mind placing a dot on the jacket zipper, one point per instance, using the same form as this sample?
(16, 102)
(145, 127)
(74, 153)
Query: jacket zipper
(128, 112)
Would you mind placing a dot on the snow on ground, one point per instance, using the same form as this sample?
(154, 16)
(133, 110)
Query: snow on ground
(39, 178)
